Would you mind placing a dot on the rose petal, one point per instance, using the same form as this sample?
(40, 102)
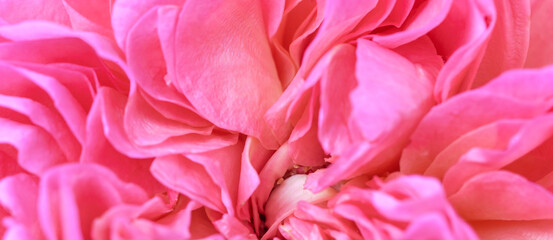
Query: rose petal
(210, 78)
(73, 195)
(501, 195)
(509, 40)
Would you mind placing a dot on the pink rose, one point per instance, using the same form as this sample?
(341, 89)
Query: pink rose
(249, 119)
(491, 148)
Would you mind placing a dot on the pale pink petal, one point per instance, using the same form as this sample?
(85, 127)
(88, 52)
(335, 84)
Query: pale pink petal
(210, 78)
(284, 198)
(502, 195)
